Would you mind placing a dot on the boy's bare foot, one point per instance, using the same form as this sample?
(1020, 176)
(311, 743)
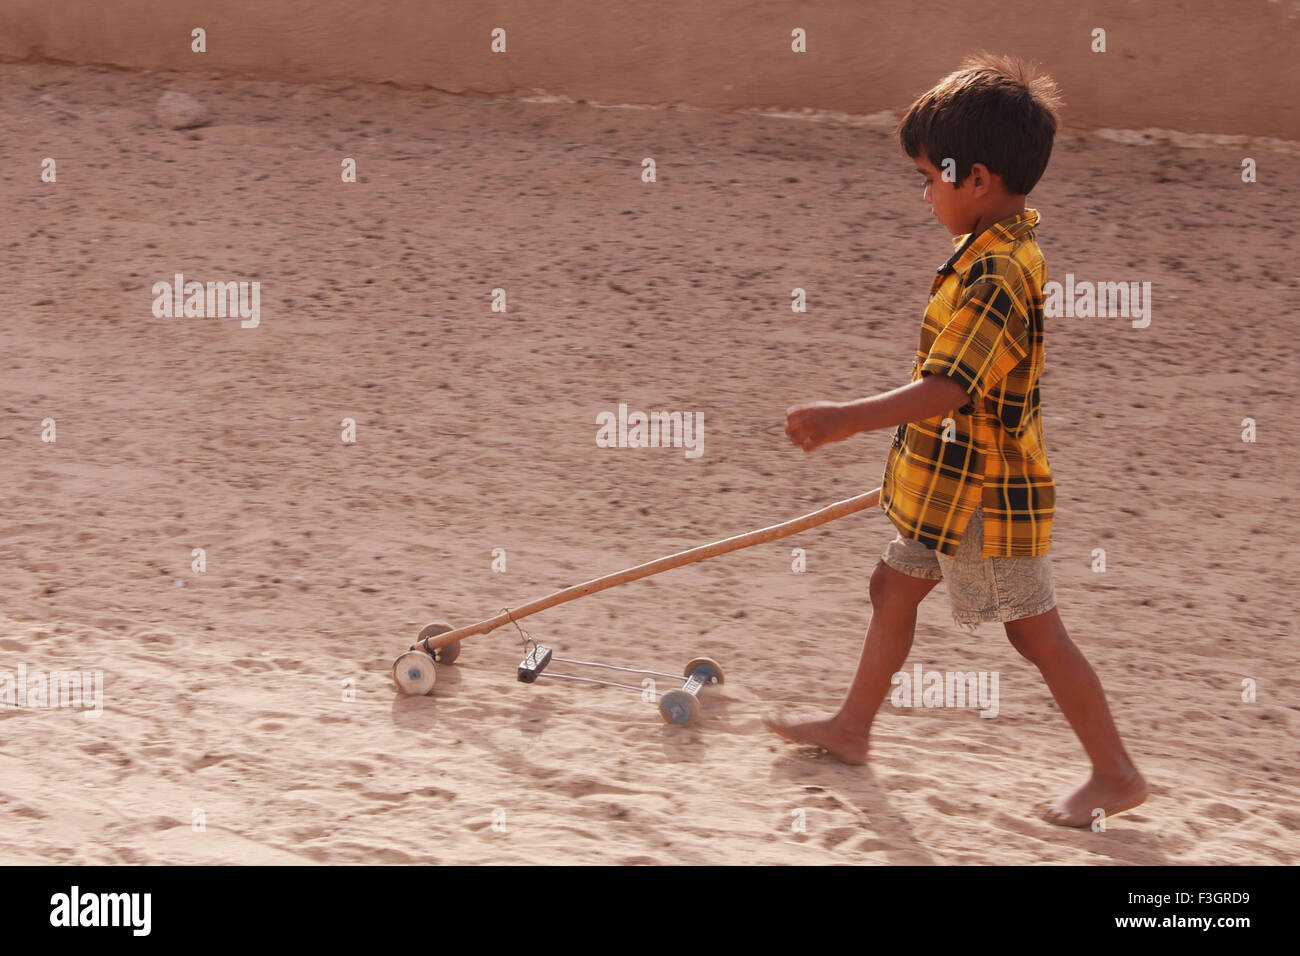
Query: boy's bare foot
(1111, 795)
(840, 743)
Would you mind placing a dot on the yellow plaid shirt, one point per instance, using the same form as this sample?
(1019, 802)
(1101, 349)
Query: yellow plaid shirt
(983, 328)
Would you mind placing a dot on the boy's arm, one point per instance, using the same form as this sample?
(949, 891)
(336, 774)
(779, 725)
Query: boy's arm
(811, 426)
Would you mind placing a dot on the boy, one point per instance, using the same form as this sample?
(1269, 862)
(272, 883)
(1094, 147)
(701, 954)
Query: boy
(967, 482)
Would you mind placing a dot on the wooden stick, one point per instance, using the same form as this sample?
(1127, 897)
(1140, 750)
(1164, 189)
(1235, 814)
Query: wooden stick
(811, 520)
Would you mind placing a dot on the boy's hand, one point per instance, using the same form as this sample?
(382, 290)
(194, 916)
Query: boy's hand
(817, 424)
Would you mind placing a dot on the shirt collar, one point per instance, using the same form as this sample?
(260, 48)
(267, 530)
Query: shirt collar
(970, 247)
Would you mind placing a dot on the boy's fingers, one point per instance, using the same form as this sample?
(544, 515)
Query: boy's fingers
(802, 425)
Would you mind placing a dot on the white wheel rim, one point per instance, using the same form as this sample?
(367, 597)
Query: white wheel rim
(414, 674)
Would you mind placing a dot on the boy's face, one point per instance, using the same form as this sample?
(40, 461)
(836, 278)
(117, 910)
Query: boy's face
(953, 206)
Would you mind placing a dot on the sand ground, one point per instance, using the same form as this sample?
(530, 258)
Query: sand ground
(224, 692)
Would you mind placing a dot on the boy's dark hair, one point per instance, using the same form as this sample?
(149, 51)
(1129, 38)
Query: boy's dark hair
(995, 110)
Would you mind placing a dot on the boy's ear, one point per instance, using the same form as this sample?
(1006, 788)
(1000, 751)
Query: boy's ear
(983, 182)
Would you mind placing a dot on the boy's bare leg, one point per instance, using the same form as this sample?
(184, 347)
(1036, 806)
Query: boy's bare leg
(1115, 783)
(894, 599)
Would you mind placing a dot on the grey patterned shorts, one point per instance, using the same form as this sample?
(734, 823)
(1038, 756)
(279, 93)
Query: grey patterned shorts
(980, 589)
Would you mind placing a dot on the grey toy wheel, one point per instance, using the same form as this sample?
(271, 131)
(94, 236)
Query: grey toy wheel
(443, 655)
(710, 672)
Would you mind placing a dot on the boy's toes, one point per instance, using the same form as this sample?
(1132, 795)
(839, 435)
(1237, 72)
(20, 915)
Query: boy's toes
(1095, 800)
(1059, 814)
(823, 734)
(783, 725)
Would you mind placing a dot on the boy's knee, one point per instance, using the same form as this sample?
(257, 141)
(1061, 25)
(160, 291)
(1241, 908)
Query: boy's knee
(879, 586)
(1028, 646)
(1032, 637)
(893, 588)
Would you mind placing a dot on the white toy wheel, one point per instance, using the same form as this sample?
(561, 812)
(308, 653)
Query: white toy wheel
(414, 673)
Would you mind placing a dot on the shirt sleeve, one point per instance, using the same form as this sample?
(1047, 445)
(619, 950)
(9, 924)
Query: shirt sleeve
(986, 338)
